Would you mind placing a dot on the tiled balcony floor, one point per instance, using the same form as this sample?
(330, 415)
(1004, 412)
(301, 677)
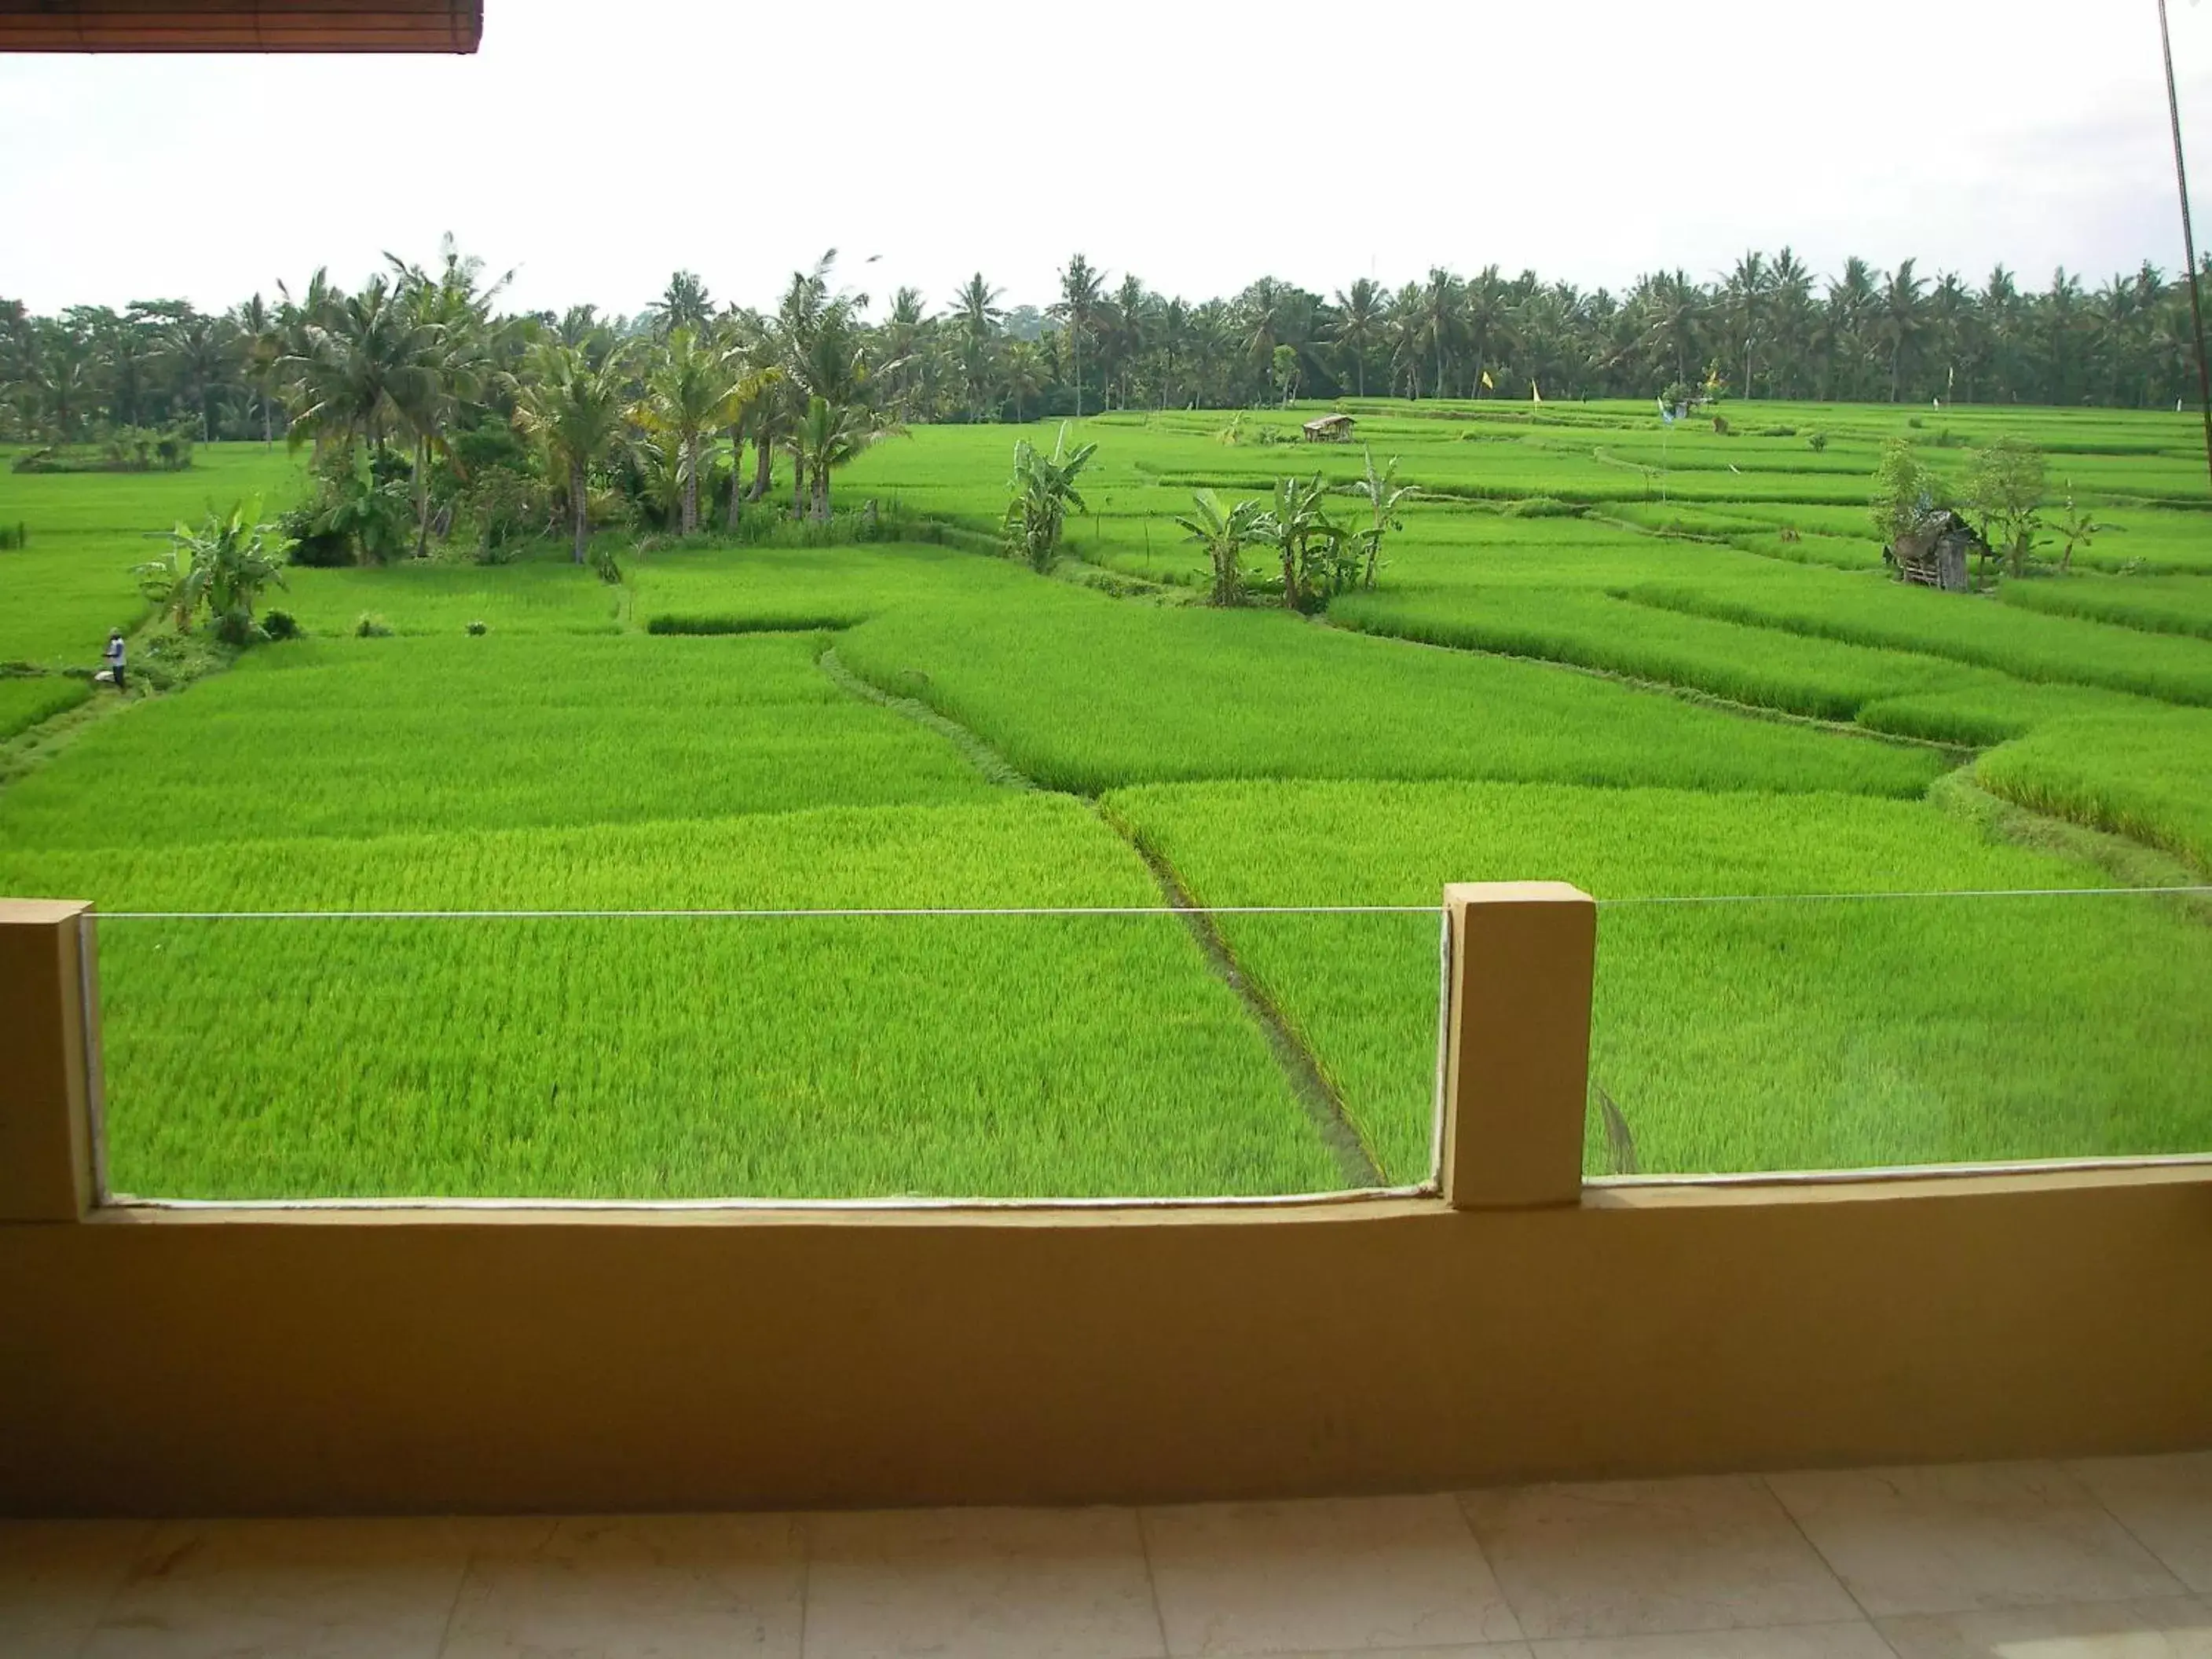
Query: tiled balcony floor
(2007, 1561)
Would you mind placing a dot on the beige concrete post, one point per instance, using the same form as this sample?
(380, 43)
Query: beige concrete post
(49, 1059)
(1516, 1042)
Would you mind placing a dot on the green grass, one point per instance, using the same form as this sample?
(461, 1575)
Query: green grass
(2150, 779)
(1085, 693)
(359, 737)
(572, 759)
(1733, 1036)
(2157, 605)
(542, 596)
(73, 582)
(665, 1058)
(2023, 643)
(25, 703)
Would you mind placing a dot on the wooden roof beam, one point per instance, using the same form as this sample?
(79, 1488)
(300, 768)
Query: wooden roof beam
(313, 26)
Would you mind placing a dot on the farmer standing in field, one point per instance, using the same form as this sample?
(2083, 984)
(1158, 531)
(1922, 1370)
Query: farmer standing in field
(115, 657)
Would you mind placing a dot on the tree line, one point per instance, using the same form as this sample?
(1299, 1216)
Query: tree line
(1767, 328)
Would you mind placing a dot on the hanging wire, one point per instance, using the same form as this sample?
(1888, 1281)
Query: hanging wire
(860, 912)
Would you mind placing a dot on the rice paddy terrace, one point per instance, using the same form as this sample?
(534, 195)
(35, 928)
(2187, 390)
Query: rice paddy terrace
(1666, 665)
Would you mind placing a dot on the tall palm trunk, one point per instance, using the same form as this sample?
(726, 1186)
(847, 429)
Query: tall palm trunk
(737, 470)
(422, 498)
(690, 482)
(822, 493)
(764, 463)
(797, 483)
(579, 506)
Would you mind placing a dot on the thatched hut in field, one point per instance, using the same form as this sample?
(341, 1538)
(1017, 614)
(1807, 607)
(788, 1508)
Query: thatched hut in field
(1935, 553)
(1329, 429)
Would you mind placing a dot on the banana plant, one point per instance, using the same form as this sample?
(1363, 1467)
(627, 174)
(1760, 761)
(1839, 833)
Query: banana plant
(1224, 533)
(1043, 490)
(1384, 496)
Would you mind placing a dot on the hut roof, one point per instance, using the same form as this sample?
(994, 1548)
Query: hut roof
(1329, 423)
(332, 26)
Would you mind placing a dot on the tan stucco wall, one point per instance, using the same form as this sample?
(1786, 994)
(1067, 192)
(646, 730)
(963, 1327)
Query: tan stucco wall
(192, 1363)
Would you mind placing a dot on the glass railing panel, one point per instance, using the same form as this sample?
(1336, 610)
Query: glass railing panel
(990, 1055)
(1734, 1036)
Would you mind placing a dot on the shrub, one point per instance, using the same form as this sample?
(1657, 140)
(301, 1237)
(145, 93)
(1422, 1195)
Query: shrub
(605, 565)
(1817, 442)
(1778, 432)
(1721, 425)
(281, 625)
(15, 535)
(478, 629)
(370, 626)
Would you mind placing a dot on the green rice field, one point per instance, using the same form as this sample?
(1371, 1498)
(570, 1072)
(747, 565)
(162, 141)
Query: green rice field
(1667, 666)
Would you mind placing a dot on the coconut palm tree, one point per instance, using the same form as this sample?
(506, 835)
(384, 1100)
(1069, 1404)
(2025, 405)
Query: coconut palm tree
(688, 388)
(1438, 317)
(1485, 314)
(684, 303)
(1744, 299)
(1082, 292)
(975, 308)
(829, 435)
(358, 373)
(1358, 328)
(575, 410)
(1899, 320)
(1022, 372)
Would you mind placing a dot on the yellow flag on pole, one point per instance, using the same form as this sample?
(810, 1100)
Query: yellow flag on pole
(1486, 385)
(1534, 395)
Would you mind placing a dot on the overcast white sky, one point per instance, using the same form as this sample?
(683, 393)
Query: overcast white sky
(1197, 142)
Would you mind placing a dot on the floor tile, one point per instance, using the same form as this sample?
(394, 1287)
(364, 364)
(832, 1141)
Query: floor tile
(2165, 1502)
(1357, 1574)
(1855, 1640)
(1025, 1583)
(639, 1587)
(1641, 1558)
(1969, 1536)
(301, 1589)
(2166, 1629)
(55, 1577)
(1457, 1650)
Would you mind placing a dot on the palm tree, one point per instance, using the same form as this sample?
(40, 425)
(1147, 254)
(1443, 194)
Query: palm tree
(204, 351)
(1898, 319)
(828, 435)
(1359, 324)
(1485, 314)
(689, 390)
(684, 303)
(1789, 311)
(1438, 316)
(1022, 372)
(1082, 290)
(977, 309)
(361, 372)
(1746, 291)
(575, 410)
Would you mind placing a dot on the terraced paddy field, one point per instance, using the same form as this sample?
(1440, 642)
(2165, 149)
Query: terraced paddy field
(1666, 665)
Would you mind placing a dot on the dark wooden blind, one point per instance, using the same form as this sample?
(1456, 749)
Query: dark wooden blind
(453, 26)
